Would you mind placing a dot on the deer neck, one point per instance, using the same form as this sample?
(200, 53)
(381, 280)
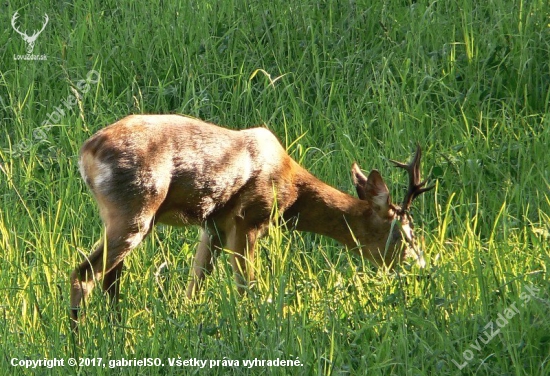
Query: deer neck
(324, 210)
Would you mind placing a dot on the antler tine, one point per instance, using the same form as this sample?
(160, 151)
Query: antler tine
(416, 187)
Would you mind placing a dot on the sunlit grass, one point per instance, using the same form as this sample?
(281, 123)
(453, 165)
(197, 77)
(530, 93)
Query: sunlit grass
(337, 82)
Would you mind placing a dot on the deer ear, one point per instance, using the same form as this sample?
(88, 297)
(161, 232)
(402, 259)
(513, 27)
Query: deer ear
(372, 189)
(377, 193)
(360, 181)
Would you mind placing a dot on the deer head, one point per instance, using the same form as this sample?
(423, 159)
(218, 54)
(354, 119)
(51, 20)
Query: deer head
(373, 189)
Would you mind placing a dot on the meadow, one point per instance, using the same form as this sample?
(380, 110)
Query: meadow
(337, 82)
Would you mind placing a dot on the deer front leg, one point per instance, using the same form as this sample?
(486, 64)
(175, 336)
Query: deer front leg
(203, 263)
(242, 242)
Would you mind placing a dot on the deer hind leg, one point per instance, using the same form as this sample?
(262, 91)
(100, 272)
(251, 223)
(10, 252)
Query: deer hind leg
(119, 243)
(242, 241)
(111, 282)
(123, 233)
(204, 260)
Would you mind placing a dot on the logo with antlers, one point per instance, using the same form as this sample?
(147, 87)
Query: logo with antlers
(29, 39)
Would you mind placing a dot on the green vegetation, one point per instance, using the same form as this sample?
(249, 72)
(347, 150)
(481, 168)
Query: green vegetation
(337, 81)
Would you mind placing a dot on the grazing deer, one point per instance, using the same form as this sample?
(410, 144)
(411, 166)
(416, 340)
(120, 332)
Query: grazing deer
(147, 169)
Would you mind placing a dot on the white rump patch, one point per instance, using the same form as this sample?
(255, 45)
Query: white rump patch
(104, 174)
(82, 171)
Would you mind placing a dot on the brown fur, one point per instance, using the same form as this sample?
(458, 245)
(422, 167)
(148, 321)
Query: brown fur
(148, 169)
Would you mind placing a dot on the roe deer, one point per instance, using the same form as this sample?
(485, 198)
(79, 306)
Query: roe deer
(147, 169)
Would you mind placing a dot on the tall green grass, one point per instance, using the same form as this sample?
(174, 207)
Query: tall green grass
(337, 82)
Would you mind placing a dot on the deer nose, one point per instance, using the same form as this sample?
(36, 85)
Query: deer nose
(413, 249)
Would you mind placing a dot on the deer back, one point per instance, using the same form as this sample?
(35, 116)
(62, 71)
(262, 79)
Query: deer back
(197, 167)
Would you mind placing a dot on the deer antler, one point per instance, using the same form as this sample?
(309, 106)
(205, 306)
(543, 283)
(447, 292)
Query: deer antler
(416, 187)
